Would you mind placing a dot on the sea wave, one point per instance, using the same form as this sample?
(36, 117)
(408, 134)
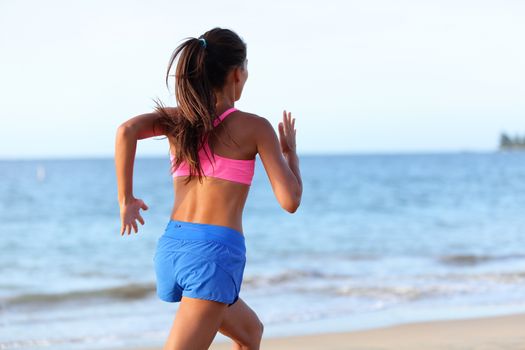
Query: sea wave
(124, 292)
(409, 287)
(515, 277)
(290, 276)
(414, 287)
(473, 259)
(406, 292)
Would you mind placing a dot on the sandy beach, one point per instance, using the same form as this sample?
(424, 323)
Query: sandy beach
(491, 333)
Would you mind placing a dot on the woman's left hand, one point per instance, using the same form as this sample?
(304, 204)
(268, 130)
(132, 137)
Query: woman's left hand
(129, 212)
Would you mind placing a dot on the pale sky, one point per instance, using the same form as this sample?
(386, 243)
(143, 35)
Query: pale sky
(359, 76)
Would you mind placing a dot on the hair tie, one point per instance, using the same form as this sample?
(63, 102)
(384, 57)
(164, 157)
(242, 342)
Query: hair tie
(203, 42)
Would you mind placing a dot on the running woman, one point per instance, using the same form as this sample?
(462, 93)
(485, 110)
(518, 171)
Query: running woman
(201, 256)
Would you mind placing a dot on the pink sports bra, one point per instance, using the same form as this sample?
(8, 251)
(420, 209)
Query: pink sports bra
(236, 170)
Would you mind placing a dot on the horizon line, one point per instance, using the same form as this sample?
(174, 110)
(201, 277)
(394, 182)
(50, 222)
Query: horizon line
(300, 154)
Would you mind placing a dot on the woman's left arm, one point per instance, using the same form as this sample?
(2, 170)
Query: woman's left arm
(128, 133)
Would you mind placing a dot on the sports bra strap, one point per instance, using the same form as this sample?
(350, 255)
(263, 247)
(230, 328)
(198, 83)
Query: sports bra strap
(224, 115)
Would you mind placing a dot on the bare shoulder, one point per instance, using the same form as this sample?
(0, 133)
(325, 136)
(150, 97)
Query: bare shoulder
(256, 122)
(251, 116)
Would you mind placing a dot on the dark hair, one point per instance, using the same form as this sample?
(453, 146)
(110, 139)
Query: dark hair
(202, 67)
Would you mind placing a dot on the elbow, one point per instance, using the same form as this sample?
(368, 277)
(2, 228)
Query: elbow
(292, 203)
(289, 196)
(291, 208)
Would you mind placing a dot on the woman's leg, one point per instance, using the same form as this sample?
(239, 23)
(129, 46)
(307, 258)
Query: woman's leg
(195, 324)
(241, 324)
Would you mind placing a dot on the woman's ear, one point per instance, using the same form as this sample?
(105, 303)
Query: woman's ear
(237, 74)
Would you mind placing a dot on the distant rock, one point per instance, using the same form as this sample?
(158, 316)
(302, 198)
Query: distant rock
(511, 143)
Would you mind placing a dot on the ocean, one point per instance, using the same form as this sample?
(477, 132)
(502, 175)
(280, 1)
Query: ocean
(378, 240)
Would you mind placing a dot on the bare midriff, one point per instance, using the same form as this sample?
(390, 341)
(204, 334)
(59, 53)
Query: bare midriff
(214, 202)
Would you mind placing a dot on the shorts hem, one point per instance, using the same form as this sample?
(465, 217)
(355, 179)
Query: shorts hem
(206, 297)
(168, 299)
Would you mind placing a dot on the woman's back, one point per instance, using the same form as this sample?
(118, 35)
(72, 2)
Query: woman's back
(217, 200)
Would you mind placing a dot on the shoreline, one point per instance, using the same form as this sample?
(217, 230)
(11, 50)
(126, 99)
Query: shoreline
(482, 333)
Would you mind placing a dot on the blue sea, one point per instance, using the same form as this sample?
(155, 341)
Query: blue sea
(378, 240)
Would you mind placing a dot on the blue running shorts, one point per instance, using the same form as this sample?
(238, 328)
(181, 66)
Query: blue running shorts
(199, 261)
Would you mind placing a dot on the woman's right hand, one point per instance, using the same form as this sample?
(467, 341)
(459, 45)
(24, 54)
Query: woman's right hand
(129, 212)
(287, 133)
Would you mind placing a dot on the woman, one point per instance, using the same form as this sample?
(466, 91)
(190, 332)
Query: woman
(200, 258)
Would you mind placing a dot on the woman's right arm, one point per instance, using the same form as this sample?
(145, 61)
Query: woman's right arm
(280, 160)
(128, 133)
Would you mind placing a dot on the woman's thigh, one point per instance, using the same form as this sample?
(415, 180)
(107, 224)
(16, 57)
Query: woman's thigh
(196, 324)
(241, 324)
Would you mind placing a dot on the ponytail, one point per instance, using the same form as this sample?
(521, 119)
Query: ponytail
(202, 67)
